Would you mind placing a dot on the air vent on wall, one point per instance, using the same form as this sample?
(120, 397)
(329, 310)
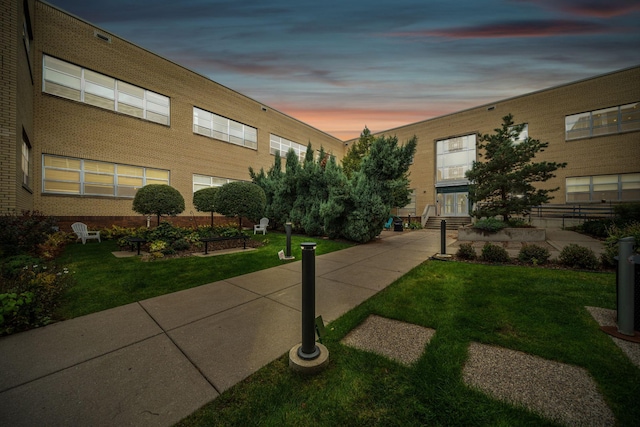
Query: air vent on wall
(102, 37)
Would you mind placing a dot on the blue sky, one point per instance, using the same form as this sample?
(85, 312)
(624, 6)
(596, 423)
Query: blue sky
(341, 65)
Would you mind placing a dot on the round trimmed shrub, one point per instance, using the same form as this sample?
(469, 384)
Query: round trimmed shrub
(158, 199)
(533, 254)
(576, 256)
(466, 251)
(494, 253)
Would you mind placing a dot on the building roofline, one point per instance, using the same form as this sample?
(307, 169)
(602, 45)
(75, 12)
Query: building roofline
(182, 66)
(493, 103)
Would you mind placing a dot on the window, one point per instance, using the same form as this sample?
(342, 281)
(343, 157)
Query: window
(282, 145)
(70, 81)
(214, 126)
(204, 181)
(66, 175)
(454, 157)
(26, 160)
(624, 187)
(606, 121)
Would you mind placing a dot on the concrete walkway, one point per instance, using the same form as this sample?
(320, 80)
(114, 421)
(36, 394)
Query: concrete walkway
(156, 361)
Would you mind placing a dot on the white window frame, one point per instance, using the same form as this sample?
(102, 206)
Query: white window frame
(222, 128)
(115, 175)
(594, 185)
(283, 145)
(155, 107)
(213, 181)
(26, 161)
(626, 119)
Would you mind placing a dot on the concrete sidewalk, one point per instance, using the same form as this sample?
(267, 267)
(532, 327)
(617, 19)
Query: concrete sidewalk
(158, 360)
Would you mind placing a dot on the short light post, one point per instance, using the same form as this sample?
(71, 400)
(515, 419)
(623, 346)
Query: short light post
(443, 237)
(626, 286)
(287, 254)
(309, 356)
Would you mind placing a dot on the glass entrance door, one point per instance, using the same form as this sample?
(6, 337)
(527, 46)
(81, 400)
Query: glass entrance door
(453, 204)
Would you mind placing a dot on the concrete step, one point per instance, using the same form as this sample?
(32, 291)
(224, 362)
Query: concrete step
(453, 222)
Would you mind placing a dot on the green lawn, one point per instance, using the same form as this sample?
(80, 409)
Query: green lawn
(103, 281)
(537, 311)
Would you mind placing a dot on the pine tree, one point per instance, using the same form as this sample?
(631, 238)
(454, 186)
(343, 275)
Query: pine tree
(502, 185)
(353, 158)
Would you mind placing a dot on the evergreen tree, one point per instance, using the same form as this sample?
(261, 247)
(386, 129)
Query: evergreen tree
(241, 199)
(353, 158)
(503, 184)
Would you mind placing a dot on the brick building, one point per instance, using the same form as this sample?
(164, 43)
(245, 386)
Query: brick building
(87, 118)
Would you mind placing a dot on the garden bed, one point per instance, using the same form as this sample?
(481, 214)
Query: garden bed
(470, 234)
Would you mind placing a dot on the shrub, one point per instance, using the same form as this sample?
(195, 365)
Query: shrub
(241, 199)
(180, 245)
(490, 224)
(30, 299)
(413, 226)
(533, 254)
(158, 199)
(494, 253)
(597, 227)
(13, 266)
(54, 244)
(466, 251)
(627, 212)
(576, 256)
(23, 233)
(204, 200)
(165, 232)
(518, 223)
(611, 244)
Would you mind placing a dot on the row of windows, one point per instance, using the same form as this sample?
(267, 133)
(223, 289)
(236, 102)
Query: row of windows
(607, 121)
(204, 181)
(79, 84)
(71, 176)
(215, 126)
(281, 145)
(624, 187)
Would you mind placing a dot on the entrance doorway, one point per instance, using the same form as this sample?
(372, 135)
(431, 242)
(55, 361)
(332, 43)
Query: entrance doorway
(453, 204)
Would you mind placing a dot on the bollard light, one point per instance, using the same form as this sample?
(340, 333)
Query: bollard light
(308, 350)
(443, 237)
(626, 286)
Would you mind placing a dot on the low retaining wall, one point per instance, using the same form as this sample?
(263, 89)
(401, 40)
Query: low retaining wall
(468, 234)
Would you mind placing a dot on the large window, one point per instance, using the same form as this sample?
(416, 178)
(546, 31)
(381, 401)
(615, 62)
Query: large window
(454, 157)
(204, 181)
(71, 176)
(624, 187)
(607, 121)
(281, 145)
(215, 126)
(79, 84)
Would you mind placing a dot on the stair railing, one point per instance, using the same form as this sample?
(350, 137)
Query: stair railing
(429, 210)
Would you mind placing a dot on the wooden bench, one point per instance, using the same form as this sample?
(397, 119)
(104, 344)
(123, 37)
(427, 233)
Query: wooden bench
(206, 241)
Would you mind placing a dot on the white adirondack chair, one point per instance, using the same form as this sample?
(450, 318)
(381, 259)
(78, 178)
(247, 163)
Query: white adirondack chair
(264, 222)
(83, 233)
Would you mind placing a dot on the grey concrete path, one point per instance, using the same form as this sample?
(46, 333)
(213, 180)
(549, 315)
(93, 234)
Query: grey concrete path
(154, 362)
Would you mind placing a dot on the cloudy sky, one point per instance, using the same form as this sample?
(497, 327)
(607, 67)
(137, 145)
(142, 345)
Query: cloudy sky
(341, 65)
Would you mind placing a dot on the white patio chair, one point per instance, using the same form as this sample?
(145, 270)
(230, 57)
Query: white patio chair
(264, 222)
(83, 233)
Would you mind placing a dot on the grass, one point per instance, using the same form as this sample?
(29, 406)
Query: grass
(103, 281)
(537, 311)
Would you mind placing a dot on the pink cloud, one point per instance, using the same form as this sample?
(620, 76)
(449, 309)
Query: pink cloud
(592, 8)
(511, 29)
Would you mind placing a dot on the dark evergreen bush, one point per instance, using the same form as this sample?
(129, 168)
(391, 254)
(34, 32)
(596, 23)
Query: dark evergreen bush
(466, 251)
(576, 256)
(534, 254)
(494, 253)
(490, 224)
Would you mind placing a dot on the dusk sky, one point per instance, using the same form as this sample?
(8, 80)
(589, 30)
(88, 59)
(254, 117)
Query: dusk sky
(341, 65)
